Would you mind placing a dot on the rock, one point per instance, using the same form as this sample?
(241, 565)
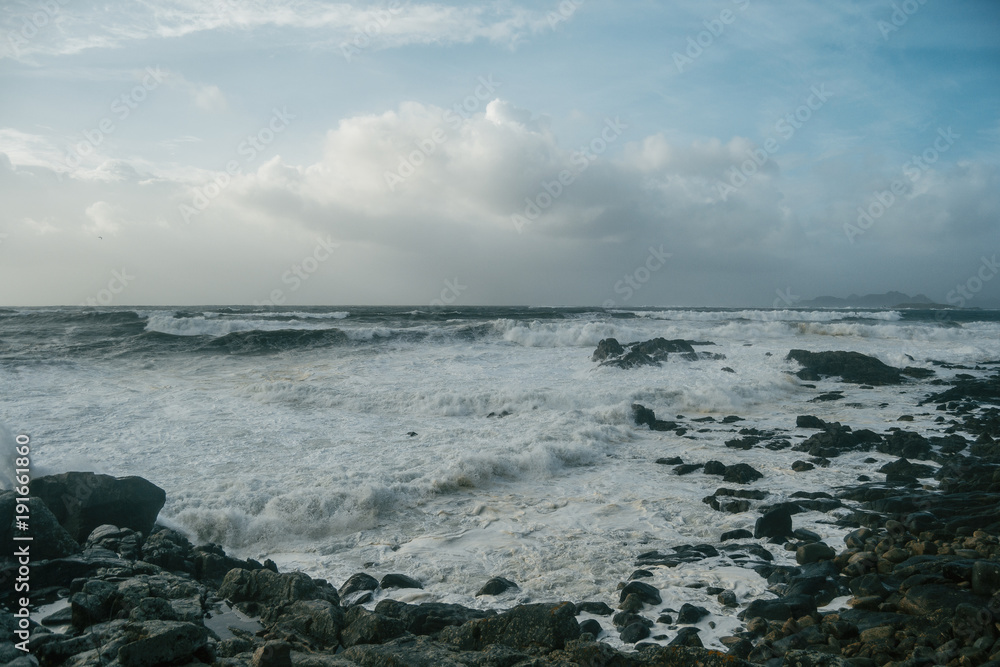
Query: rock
(82, 501)
(161, 642)
(608, 347)
(902, 467)
(687, 468)
(648, 594)
(811, 553)
(776, 523)
(780, 609)
(905, 444)
(715, 468)
(591, 626)
(541, 626)
(318, 620)
(399, 581)
(642, 415)
(806, 658)
(727, 599)
(366, 627)
(689, 613)
(266, 588)
(634, 632)
(595, 608)
(671, 461)
(50, 539)
(741, 473)
(431, 617)
(273, 654)
(170, 550)
(123, 541)
(496, 586)
(985, 577)
(802, 466)
(850, 366)
(358, 582)
(809, 421)
(738, 534)
(687, 637)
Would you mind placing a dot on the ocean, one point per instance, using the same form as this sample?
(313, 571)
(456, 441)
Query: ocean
(348, 439)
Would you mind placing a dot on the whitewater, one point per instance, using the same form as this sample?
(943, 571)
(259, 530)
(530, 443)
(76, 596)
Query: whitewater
(349, 439)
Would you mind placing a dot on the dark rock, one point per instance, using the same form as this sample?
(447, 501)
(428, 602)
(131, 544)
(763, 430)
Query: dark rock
(902, 467)
(689, 613)
(640, 574)
(542, 626)
(591, 626)
(273, 654)
(850, 366)
(985, 577)
(595, 608)
(319, 620)
(82, 501)
(672, 461)
(727, 599)
(905, 444)
(169, 550)
(648, 594)
(431, 617)
(634, 633)
(828, 396)
(642, 415)
(802, 466)
(715, 468)
(49, 538)
(731, 419)
(608, 347)
(687, 637)
(266, 588)
(809, 421)
(687, 468)
(776, 523)
(780, 609)
(741, 473)
(738, 534)
(161, 642)
(399, 581)
(811, 553)
(358, 582)
(366, 627)
(496, 586)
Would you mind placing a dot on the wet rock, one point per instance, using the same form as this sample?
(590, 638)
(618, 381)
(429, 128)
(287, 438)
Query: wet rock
(50, 539)
(715, 468)
(634, 633)
(905, 444)
(642, 415)
(358, 582)
(809, 421)
(591, 626)
(687, 468)
(366, 627)
(775, 523)
(608, 347)
(273, 654)
(595, 608)
(431, 617)
(687, 637)
(849, 366)
(399, 581)
(542, 626)
(496, 586)
(690, 613)
(738, 534)
(671, 461)
(811, 553)
(82, 501)
(727, 599)
(648, 594)
(741, 473)
(257, 588)
(802, 466)
(161, 642)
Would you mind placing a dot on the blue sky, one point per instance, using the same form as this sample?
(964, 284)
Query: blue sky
(311, 152)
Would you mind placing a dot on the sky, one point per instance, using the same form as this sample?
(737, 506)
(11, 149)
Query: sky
(582, 152)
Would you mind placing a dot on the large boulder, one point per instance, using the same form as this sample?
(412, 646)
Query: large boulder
(49, 538)
(850, 366)
(161, 643)
(530, 626)
(82, 501)
(263, 587)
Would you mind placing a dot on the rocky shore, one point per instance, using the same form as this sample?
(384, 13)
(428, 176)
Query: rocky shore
(915, 581)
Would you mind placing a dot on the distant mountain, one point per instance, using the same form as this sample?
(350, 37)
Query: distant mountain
(887, 300)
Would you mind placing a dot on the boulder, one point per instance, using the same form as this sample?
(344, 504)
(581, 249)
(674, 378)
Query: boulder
(496, 586)
(399, 581)
(775, 523)
(850, 366)
(741, 473)
(608, 347)
(366, 627)
(263, 587)
(82, 501)
(49, 538)
(531, 626)
(690, 613)
(358, 582)
(161, 642)
(431, 617)
(648, 594)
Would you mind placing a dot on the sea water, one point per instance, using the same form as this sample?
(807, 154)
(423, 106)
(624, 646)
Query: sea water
(348, 439)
